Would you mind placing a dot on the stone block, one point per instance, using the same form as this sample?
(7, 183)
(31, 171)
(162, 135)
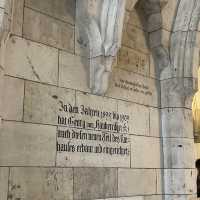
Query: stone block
(130, 4)
(84, 148)
(153, 197)
(154, 22)
(177, 122)
(160, 180)
(63, 10)
(4, 173)
(17, 22)
(23, 144)
(133, 61)
(180, 181)
(104, 186)
(135, 38)
(73, 72)
(28, 60)
(43, 103)
(133, 87)
(158, 38)
(178, 92)
(133, 18)
(178, 153)
(136, 182)
(49, 30)
(13, 97)
(180, 197)
(155, 122)
(125, 198)
(145, 152)
(41, 183)
(137, 126)
(168, 13)
(2, 3)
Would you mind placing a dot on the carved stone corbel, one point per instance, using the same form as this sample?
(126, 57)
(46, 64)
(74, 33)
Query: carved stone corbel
(100, 24)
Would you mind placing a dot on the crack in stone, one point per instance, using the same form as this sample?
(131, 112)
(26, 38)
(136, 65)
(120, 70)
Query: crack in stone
(33, 68)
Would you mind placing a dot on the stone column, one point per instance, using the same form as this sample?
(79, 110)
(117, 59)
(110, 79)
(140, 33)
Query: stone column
(178, 86)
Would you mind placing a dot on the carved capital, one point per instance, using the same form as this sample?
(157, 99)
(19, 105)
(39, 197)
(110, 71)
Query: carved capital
(100, 24)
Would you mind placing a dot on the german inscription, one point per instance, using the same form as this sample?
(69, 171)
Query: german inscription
(88, 136)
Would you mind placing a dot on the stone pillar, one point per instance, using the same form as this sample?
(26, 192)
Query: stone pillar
(178, 86)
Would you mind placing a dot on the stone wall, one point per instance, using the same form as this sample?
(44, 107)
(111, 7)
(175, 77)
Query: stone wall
(51, 140)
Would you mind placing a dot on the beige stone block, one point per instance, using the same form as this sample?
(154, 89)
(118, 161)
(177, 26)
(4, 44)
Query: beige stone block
(30, 60)
(153, 197)
(3, 183)
(130, 4)
(134, 19)
(179, 153)
(43, 103)
(63, 10)
(180, 181)
(136, 182)
(197, 150)
(13, 97)
(87, 152)
(17, 23)
(73, 71)
(49, 30)
(159, 180)
(41, 183)
(104, 186)
(133, 61)
(23, 144)
(125, 198)
(155, 122)
(105, 105)
(145, 152)
(137, 126)
(133, 87)
(135, 38)
(168, 13)
(177, 122)
(196, 61)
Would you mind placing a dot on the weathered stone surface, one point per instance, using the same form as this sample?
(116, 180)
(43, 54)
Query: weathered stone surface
(3, 183)
(17, 23)
(158, 38)
(61, 9)
(13, 97)
(85, 151)
(178, 153)
(178, 92)
(28, 60)
(154, 22)
(135, 38)
(49, 30)
(42, 103)
(134, 19)
(168, 12)
(105, 184)
(155, 126)
(142, 150)
(129, 86)
(73, 72)
(27, 144)
(136, 182)
(2, 3)
(180, 181)
(134, 61)
(160, 179)
(130, 4)
(180, 197)
(41, 183)
(137, 126)
(177, 122)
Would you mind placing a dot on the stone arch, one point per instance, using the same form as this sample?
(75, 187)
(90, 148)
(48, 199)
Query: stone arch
(177, 74)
